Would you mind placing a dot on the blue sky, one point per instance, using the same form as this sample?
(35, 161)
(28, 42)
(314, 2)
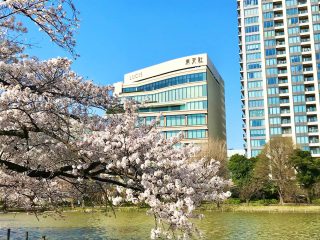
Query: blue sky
(121, 36)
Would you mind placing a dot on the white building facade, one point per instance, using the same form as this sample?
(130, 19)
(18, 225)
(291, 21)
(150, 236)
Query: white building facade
(279, 44)
(187, 93)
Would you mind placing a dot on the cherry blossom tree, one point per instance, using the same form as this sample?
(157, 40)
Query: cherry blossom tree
(54, 141)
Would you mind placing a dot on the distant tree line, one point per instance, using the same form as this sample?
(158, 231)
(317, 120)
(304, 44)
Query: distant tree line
(281, 171)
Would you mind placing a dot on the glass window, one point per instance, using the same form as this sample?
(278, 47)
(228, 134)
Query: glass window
(275, 131)
(250, 20)
(275, 121)
(295, 49)
(251, 29)
(271, 52)
(250, 3)
(292, 11)
(302, 140)
(257, 74)
(300, 118)
(299, 108)
(175, 120)
(254, 84)
(268, 24)
(197, 119)
(191, 134)
(299, 98)
(270, 43)
(298, 88)
(257, 123)
(256, 113)
(252, 11)
(301, 129)
(297, 78)
(258, 142)
(254, 65)
(293, 30)
(274, 110)
(272, 80)
(253, 38)
(255, 103)
(292, 21)
(167, 83)
(258, 133)
(254, 94)
(253, 47)
(253, 56)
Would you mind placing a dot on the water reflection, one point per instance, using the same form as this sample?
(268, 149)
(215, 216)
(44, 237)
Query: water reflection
(136, 225)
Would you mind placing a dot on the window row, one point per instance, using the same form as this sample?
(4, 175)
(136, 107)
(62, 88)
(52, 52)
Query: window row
(196, 105)
(173, 95)
(196, 77)
(190, 134)
(176, 120)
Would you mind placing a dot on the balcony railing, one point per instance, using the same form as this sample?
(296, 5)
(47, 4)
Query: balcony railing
(313, 119)
(313, 130)
(309, 89)
(304, 30)
(308, 79)
(281, 52)
(308, 69)
(281, 81)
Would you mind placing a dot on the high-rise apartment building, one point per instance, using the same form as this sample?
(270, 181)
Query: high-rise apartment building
(188, 93)
(279, 44)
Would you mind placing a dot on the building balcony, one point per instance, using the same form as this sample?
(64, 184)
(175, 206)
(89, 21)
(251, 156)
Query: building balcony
(308, 79)
(302, 2)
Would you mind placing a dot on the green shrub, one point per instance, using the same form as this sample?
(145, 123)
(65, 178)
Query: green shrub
(316, 201)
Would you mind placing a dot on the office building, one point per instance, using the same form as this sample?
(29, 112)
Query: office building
(187, 92)
(279, 42)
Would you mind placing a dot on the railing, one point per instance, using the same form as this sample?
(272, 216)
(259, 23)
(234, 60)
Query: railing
(313, 130)
(286, 122)
(285, 111)
(278, 15)
(310, 89)
(277, 6)
(308, 79)
(313, 109)
(282, 71)
(307, 69)
(303, 12)
(304, 21)
(283, 81)
(312, 120)
(284, 101)
(278, 25)
(304, 30)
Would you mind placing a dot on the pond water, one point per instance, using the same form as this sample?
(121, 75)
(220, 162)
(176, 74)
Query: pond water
(136, 225)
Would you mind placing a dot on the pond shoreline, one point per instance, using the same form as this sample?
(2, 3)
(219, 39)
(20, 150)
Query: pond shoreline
(288, 208)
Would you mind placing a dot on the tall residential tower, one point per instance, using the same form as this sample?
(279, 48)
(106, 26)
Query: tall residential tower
(279, 43)
(188, 93)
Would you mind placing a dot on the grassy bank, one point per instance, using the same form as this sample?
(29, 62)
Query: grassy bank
(260, 208)
(252, 207)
